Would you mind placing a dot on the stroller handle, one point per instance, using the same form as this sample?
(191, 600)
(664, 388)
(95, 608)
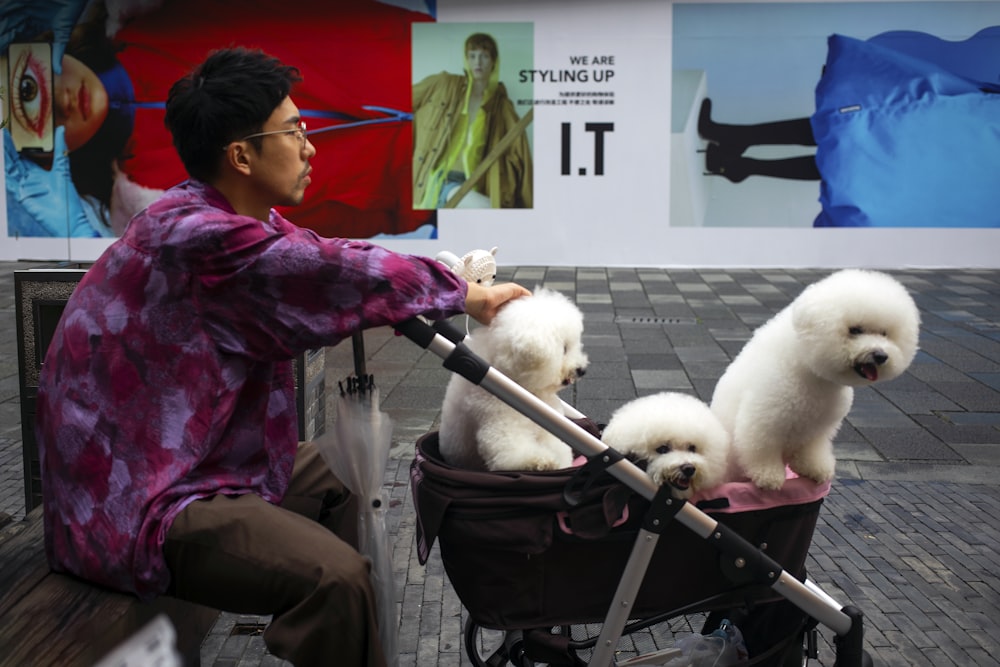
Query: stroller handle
(445, 341)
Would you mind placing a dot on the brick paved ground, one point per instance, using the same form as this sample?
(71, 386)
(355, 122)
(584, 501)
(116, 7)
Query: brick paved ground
(910, 533)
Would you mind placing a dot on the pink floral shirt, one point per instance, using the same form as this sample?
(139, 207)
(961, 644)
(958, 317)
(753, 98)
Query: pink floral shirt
(169, 377)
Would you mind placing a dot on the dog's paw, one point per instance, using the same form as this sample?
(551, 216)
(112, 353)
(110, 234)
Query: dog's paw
(541, 463)
(769, 479)
(530, 462)
(818, 468)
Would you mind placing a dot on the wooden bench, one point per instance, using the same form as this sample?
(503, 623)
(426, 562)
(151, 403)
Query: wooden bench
(54, 619)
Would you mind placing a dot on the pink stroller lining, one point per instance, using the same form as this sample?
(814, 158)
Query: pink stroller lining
(733, 497)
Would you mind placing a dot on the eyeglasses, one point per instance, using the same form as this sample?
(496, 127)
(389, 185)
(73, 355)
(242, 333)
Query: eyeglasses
(299, 131)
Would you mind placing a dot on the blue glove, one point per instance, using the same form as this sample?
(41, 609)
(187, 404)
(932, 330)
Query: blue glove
(42, 202)
(26, 19)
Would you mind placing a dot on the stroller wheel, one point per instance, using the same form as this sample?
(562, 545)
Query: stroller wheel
(496, 648)
(485, 647)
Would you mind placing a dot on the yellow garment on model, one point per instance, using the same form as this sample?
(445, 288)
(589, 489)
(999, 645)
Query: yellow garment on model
(465, 145)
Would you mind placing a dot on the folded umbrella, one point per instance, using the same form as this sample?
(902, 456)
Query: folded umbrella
(356, 449)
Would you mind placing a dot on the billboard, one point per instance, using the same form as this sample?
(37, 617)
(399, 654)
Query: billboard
(627, 133)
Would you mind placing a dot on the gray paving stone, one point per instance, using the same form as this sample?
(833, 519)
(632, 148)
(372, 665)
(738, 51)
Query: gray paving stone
(661, 380)
(907, 443)
(653, 361)
(991, 380)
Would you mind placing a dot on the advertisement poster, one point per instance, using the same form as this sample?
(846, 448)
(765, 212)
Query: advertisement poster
(596, 86)
(902, 98)
(632, 133)
(122, 58)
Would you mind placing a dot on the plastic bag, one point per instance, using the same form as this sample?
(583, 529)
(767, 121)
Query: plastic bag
(724, 647)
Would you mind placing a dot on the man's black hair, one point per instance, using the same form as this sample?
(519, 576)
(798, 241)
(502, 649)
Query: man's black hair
(230, 95)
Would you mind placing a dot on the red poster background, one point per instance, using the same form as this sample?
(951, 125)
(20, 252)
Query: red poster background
(351, 56)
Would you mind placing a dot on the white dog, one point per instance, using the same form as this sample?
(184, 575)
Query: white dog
(786, 393)
(678, 437)
(537, 342)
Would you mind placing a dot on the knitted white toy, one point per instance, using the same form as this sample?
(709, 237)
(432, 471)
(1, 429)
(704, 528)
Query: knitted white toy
(476, 266)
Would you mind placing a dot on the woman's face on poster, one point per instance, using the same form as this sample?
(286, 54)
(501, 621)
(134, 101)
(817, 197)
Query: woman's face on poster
(76, 97)
(81, 102)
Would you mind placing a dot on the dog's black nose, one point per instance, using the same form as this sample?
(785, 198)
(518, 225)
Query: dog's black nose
(688, 471)
(580, 372)
(880, 357)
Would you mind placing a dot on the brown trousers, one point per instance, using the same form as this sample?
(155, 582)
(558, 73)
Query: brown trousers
(242, 554)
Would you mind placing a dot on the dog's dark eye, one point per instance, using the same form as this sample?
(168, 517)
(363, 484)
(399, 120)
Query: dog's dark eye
(663, 449)
(855, 331)
(692, 448)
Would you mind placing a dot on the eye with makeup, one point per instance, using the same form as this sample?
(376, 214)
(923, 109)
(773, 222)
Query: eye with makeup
(31, 101)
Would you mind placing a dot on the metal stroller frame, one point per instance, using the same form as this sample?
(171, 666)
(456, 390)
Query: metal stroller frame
(445, 341)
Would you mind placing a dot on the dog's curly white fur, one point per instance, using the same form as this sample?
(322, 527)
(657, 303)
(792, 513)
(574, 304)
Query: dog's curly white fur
(537, 342)
(786, 394)
(677, 436)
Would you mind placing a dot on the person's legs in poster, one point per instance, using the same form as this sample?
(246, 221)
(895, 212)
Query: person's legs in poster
(727, 143)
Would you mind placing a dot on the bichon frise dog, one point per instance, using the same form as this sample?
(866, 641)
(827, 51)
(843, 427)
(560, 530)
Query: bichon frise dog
(537, 342)
(677, 436)
(785, 395)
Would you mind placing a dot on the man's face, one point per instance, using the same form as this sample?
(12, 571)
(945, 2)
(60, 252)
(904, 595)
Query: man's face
(480, 63)
(282, 173)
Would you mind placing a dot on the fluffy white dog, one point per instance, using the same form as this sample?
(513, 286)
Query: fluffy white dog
(537, 342)
(786, 393)
(677, 436)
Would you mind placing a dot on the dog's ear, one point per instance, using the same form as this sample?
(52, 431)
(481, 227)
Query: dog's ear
(812, 313)
(515, 352)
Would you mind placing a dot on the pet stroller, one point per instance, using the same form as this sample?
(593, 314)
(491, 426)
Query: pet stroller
(532, 554)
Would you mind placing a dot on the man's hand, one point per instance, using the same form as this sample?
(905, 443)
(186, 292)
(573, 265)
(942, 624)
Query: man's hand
(482, 303)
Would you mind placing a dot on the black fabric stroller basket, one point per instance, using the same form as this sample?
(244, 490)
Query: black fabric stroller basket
(520, 555)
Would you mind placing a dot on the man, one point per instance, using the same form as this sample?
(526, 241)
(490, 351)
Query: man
(166, 415)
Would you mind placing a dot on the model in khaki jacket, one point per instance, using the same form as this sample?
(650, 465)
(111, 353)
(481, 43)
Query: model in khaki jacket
(457, 119)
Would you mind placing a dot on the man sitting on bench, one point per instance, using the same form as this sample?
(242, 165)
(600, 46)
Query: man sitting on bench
(166, 417)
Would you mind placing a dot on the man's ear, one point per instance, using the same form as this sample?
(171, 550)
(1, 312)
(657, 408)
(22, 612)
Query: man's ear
(238, 157)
